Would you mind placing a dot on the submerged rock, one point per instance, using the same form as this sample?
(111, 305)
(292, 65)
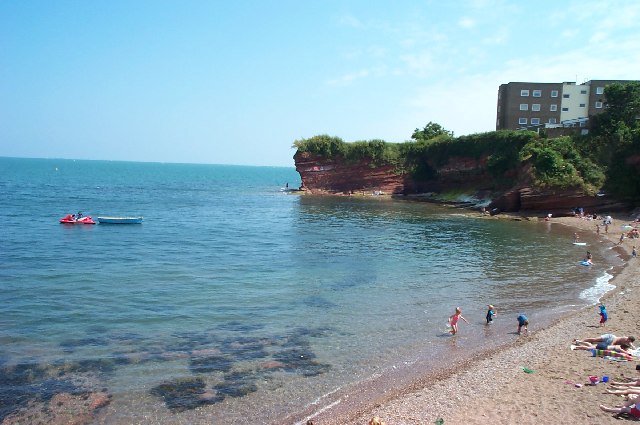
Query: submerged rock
(185, 394)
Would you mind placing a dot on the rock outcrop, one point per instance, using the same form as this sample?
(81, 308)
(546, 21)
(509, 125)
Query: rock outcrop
(465, 176)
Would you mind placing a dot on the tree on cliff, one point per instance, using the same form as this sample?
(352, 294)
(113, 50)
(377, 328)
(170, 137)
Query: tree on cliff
(430, 131)
(615, 138)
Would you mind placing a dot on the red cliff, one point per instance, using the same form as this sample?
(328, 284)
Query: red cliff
(336, 176)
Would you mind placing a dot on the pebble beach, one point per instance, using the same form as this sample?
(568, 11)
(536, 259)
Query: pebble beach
(537, 378)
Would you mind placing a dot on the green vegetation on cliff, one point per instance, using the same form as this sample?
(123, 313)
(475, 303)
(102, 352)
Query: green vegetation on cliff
(608, 158)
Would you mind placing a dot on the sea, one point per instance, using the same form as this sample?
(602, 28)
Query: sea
(237, 302)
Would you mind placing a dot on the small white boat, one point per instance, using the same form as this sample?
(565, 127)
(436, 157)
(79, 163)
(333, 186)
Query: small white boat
(119, 220)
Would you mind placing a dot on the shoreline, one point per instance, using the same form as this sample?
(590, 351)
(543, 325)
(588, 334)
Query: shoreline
(494, 388)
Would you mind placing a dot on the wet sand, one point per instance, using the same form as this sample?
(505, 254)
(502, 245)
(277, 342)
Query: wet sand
(495, 389)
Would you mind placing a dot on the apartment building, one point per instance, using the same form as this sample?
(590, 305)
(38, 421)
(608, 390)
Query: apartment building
(549, 105)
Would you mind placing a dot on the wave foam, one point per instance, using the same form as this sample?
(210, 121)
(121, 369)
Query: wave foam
(601, 287)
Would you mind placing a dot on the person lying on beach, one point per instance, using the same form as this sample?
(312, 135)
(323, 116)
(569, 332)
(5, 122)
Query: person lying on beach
(376, 421)
(635, 383)
(623, 390)
(604, 341)
(582, 345)
(628, 407)
(453, 320)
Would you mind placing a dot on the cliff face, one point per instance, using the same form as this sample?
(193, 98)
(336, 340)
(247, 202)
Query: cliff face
(335, 176)
(460, 174)
(322, 176)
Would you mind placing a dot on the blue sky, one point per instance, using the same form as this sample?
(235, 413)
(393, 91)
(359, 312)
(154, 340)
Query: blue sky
(238, 82)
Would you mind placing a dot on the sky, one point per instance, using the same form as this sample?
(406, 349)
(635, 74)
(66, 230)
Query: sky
(238, 82)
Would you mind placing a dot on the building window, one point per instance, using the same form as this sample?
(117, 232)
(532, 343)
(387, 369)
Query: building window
(535, 121)
(599, 90)
(522, 120)
(566, 96)
(553, 107)
(598, 105)
(565, 109)
(583, 92)
(537, 93)
(535, 107)
(524, 92)
(554, 93)
(582, 105)
(524, 106)
(552, 121)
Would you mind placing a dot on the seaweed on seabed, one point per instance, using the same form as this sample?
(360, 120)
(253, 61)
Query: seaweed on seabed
(208, 364)
(246, 348)
(240, 327)
(302, 361)
(188, 341)
(184, 394)
(70, 345)
(23, 383)
(237, 384)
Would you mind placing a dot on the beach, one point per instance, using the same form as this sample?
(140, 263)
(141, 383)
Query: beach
(497, 390)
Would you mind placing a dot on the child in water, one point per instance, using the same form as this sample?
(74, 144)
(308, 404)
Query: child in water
(453, 321)
(491, 313)
(523, 322)
(603, 315)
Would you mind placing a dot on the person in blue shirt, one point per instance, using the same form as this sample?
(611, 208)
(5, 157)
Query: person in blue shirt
(603, 315)
(491, 313)
(523, 322)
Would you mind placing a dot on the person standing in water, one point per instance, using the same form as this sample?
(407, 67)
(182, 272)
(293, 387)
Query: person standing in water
(491, 314)
(453, 320)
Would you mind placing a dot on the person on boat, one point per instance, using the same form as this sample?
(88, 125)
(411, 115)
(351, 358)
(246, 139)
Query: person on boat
(79, 215)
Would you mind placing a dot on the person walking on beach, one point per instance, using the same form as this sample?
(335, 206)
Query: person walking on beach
(634, 253)
(621, 239)
(597, 229)
(603, 315)
(523, 322)
(453, 320)
(491, 314)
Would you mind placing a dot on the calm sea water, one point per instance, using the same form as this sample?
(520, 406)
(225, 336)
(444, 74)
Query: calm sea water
(237, 303)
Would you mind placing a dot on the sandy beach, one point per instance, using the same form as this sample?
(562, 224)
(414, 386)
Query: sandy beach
(497, 390)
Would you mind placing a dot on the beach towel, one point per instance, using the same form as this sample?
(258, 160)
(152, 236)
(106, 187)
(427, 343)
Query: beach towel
(611, 354)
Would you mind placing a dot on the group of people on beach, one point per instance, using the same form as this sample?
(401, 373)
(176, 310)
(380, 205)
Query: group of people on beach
(630, 389)
(492, 312)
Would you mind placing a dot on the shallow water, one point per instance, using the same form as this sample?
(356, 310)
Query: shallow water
(235, 302)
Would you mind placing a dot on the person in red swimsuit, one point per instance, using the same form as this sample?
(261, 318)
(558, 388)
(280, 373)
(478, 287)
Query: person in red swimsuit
(628, 407)
(453, 320)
